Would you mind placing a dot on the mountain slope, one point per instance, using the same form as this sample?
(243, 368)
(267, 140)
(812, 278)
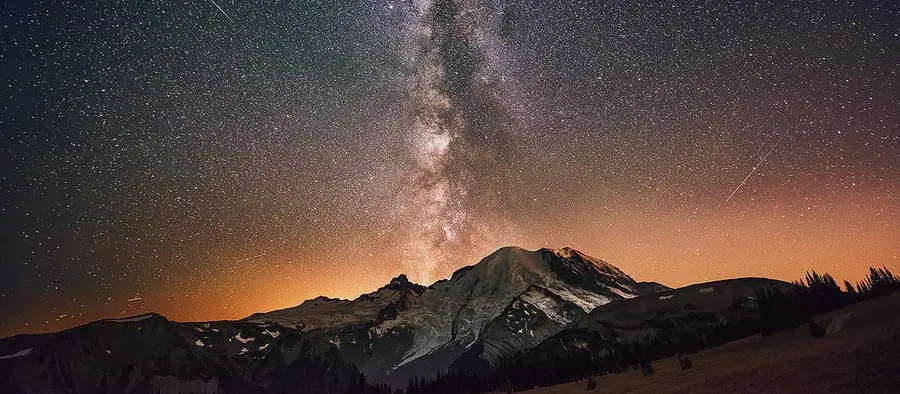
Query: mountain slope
(530, 318)
(687, 318)
(405, 330)
(452, 316)
(150, 354)
(506, 304)
(675, 305)
(324, 312)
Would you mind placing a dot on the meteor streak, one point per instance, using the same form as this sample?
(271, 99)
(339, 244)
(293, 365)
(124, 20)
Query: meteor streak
(250, 258)
(754, 169)
(221, 10)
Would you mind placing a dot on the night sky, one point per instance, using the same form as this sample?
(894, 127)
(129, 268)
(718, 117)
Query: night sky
(208, 160)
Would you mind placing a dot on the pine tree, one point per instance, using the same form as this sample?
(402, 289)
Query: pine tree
(848, 287)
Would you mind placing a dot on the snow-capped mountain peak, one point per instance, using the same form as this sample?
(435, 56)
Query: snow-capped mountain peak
(452, 316)
(506, 303)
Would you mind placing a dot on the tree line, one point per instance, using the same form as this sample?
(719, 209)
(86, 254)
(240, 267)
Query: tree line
(819, 293)
(771, 310)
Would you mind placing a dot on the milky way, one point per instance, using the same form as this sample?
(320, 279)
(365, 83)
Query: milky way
(455, 111)
(211, 159)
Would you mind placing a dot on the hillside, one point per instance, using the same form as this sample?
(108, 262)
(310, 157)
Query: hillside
(483, 314)
(150, 354)
(860, 353)
(504, 305)
(674, 305)
(519, 316)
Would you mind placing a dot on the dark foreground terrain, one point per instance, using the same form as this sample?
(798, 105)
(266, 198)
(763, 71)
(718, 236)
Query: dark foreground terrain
(860, 353)
(515, 320)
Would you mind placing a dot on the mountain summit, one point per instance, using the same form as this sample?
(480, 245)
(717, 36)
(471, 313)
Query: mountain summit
(333, 313)
(503, 305)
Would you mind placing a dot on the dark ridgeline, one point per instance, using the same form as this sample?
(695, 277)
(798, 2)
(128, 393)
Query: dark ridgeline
(150, 354)
(164, 356)
(782, 309)
(773, 309)
(327, 345)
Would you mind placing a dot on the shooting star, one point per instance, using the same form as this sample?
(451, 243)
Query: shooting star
(223, 11)
(754, 169)
(134, 299)
(250, 258)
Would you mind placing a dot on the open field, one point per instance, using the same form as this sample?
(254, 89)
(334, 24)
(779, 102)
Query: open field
(859, 354)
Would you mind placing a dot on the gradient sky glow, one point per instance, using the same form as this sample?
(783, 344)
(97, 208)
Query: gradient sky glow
(208, 164)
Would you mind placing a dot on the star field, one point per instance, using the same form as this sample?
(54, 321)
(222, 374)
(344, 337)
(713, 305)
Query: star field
(208, 160)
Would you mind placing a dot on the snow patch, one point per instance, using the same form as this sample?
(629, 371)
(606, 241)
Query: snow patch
(431, 343)
(273, 334)
(384, 328)
(243, 350)
(20, 353)
(585, 300)
(706, 290)
(242, 339)
(264, 347)
(667, 297)
(621, 293)
(547, 305)
(199, 343)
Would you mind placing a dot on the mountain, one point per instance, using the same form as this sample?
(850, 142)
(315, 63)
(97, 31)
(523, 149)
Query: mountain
(645, 288)
(505, 305)
(649, 327)
(676, 307)
(502, 306)
(332, 313)
(150, 354)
